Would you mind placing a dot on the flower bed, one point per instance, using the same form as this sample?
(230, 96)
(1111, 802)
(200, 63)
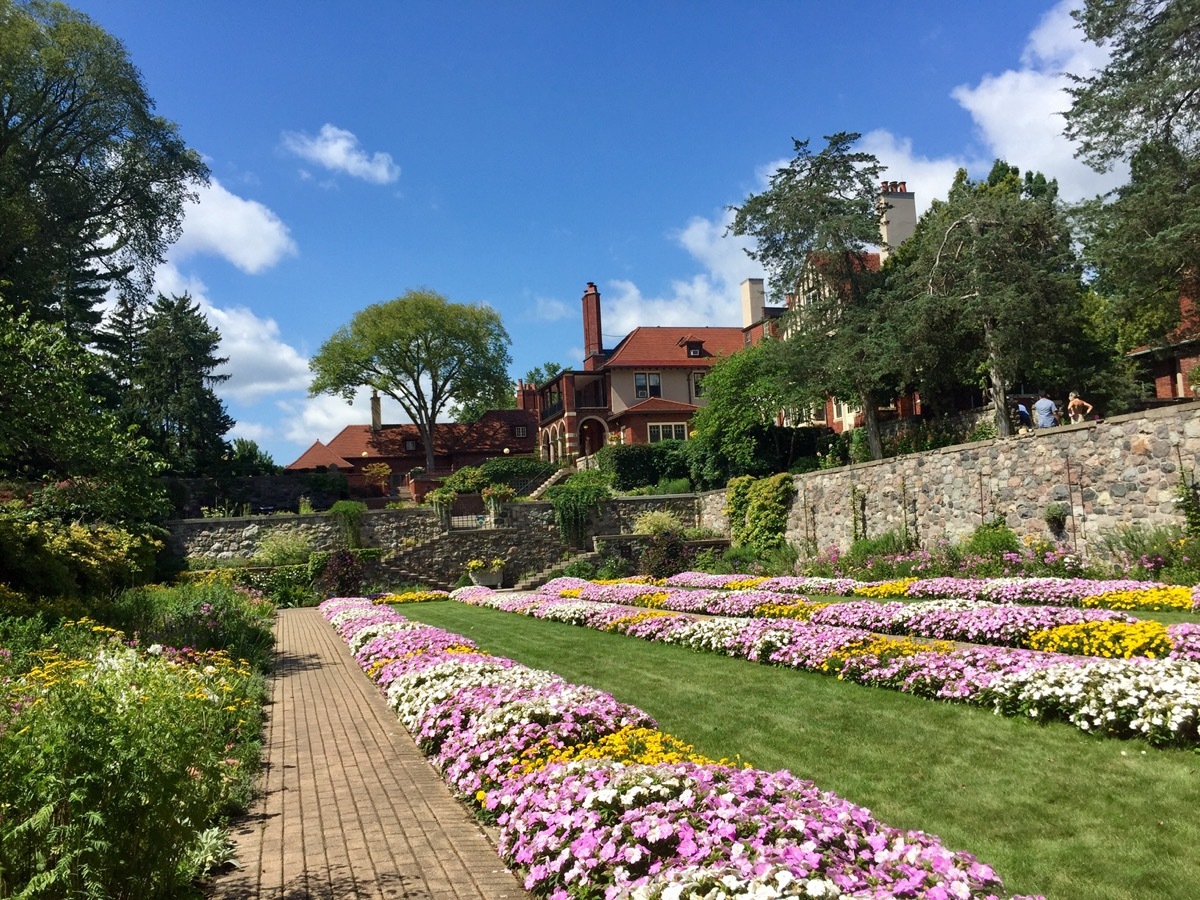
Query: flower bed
(590, 803)
(969, 621)
(1155, 699)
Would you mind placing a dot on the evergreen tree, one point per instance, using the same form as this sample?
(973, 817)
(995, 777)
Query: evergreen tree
(171, 397)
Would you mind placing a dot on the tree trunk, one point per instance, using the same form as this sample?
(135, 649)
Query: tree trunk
(871, 423)
(996, 384)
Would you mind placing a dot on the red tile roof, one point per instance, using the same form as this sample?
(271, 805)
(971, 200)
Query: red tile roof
(664, 346)
(318, 455)
(657, 405)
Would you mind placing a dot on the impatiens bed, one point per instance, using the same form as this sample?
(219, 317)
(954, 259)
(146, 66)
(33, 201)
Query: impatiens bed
(1155, 699)
(591, 801)
(1064, 629)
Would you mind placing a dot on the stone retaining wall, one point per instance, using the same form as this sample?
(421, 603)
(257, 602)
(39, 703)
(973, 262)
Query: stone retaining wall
(1117, 472)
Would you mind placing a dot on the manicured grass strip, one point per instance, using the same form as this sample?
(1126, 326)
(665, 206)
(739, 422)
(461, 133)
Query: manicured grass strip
(1054, 810)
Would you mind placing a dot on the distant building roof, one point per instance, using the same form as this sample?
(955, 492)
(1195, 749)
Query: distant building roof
(661, 346)
(319, 455)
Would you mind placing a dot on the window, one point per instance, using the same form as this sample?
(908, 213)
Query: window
(410, 446)
(818, 413)
(519, 431)
(647, 384)
(698, 384)
(670, 431)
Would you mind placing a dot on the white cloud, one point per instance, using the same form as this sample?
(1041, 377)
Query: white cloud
(321, 418)
(1019, 112)
(243, 232)
(548, 309)
(927, 178)
(339, 150)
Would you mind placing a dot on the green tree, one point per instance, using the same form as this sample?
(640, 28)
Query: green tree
(1149, 91)
(52, 429)
(92, 183)
(246, 458)
(814, 227)
(172, 399)
(422, 351)
(1142, 107)
(543, 374)
(990, 284)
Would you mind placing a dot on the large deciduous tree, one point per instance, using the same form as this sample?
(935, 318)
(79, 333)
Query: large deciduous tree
(92, 183)
(422, 351)
(813, 229)
(990, 283)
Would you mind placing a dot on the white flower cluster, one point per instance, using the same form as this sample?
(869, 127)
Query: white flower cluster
(365, 635)
(722, 884)
(412, 694)
(1156, 698)
(708, 634)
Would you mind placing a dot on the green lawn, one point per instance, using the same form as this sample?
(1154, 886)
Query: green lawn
(1054, 810)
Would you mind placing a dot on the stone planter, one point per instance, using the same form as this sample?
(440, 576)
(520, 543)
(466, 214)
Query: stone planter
(487, 579)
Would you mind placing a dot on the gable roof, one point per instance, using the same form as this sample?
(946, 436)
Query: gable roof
(660, 346)
(318, 455)
(656, 405)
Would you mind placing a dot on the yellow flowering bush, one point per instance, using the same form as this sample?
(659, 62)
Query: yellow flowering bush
(1113, 640)
(898, 588)
(802, 611)
(1160, 597)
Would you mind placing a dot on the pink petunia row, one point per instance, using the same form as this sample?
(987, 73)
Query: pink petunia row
(599, 828)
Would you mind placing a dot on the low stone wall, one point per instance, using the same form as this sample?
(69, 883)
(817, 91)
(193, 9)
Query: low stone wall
(1120, 471)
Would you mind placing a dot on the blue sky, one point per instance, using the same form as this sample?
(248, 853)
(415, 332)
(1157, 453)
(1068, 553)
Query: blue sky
(508, 153)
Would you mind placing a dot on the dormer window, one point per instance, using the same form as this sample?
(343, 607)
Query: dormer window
(410, 446)
(695, 349)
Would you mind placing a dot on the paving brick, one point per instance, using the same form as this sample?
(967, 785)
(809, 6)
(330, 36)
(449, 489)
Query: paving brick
(348, 805)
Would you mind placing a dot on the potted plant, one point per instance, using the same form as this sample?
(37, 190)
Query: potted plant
(486, 572)
(496, 494)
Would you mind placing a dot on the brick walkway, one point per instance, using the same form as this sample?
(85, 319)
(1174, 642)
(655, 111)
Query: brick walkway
(350, 807)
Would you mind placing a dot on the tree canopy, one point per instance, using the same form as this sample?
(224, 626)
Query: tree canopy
(92, 183)
(422, 351)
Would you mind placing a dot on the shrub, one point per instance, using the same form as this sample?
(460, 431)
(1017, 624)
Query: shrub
(992, 539)
(663, 555)
(580, 568)
(767, 504)
(340, 573)
(518, 471)
(659, 521)
(574, 500)
(283, 548)
(864, 549)
(467, 480)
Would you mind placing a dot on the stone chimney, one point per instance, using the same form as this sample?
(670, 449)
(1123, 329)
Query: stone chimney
(593, 342)
(376, 412)
(899, 216)
(753, 301)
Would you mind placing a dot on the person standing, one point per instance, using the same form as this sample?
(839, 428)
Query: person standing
(1077, 407)
(1045, 412)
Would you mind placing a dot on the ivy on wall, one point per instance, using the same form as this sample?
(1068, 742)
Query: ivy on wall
(758, 510)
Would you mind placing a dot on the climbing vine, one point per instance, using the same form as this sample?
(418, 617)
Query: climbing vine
(574, 501)
(737, 498)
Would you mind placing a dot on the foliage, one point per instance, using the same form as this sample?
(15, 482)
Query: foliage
(339, 574)
(890, 542)
(52, 428)
(378, 475)
(632, 466)
(467, 480)
(990, 283)
(663, 554)
(767, 504)
(283, 548)
(737, 500)
(442, 498)
(1055, 515)
(1187, 497)
(992, 538)
(515, 470)
(247, 459)
(496, 564)
(422, 351)
(348, 515)
(205, 615)
(659, 521)
(47, 559)
(543, 374)
(92, 183)
(495, 494)
(118, 771)
(574, 500)
(813, 228)
(580, 568)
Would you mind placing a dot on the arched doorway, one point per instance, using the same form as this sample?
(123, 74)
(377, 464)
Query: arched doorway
(592, 435)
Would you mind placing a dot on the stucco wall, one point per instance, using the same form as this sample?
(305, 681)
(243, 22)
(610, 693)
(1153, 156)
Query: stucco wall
(1117, 472)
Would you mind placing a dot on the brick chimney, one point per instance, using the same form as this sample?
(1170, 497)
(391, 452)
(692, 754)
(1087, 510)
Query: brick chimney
(593, 343)
(376, 412)
(527, 396)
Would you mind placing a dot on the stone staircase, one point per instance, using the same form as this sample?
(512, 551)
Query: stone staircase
(551, 481)
(537, 579)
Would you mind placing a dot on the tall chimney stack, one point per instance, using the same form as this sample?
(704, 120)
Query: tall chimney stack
(593, 342)
(898, 217)
(753, 300)
(376, 412)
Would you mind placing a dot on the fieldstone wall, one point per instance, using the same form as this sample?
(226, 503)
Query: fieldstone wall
(1120, 471)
